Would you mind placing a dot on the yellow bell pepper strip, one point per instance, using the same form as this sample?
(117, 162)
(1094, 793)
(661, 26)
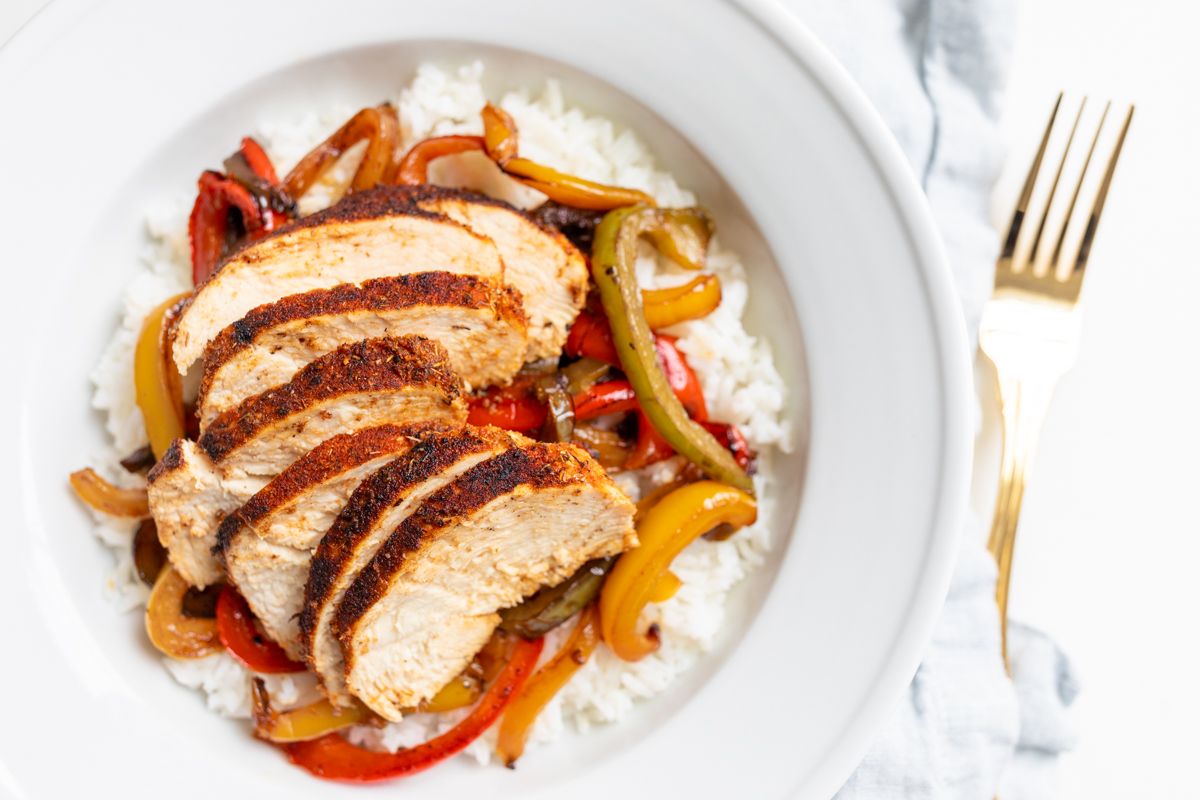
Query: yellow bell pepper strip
(458, 693)
(108, 499)
(695, 299)
(683, 236)
(300, 724)
(614, 252)
(334, 758)
(169, 629)
(667, 528)
(156, 383)
(546, 682)
(380, 128)
(500, 143)
(665, 587)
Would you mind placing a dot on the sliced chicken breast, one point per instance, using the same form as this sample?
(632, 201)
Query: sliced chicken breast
(363, 385)
(267, 543)
(480, 323)
(379, 504)
(370, 234)
(548, 271)
(427, 602)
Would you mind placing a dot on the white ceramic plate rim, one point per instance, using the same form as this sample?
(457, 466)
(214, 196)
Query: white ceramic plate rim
(910, 203)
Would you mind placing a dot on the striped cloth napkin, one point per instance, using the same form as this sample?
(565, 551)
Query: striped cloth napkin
(935, 70)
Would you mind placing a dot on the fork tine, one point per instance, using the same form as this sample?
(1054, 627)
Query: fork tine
(1085, 246)
(1014, 229)
(1087, 162)
(1062, 163)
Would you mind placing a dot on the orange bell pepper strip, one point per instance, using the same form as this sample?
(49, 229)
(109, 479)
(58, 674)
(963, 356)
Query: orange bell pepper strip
(237, 631)
(524, 710)
(413, 168)
(378, 126)
(667, 528)
(334, 758)
(170, 631)
(695, 299)
(156, 382)
(108, 499)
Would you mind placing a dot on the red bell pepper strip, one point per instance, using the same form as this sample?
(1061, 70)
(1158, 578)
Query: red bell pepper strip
(513, 408)
(259, 161)
(683, 380)
(612, 397)
(413, 169)
(209, 221)
(235, 627)
(590, 336)
(650, 447)
(732, 438)
(260, 164)
(334, 758)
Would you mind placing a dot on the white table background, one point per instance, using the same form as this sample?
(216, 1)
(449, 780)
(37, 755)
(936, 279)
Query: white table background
(1109, 549)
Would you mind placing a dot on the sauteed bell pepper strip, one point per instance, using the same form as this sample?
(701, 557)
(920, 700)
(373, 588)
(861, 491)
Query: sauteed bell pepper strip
(571, 190)
(667, 528)
(650, 447)
(591, 337)
(500, 142)
(209, 221)
(334, 758)
(665, 587)
(541, 688)
(413, 168)
(551, 606)
(300, 724)
(697, 298)
(252, 168)
(235, 626)
(169, 629)
(378, 126)
(613, 397)
(731, 436)
(156, 384)
(108, 499)
(513, 408)
(613, 254)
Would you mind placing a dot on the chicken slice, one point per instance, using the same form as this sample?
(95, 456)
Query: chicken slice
(369, 234)
(379, 504)
(362, 385)
(267, 543)
(427, 602)
(479, 322)
(548, 271)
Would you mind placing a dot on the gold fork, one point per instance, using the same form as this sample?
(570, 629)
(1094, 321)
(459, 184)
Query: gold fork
(1030, 329)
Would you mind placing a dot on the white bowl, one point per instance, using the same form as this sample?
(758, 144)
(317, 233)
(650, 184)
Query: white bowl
(108, 106)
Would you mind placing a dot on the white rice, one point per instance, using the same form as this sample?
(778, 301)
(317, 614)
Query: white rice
(740, 382)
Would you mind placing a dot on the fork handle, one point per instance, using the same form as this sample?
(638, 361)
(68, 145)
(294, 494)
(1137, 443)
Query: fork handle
(1023, 406)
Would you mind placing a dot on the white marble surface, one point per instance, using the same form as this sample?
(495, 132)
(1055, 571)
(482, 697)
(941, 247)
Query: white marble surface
(1110, 540)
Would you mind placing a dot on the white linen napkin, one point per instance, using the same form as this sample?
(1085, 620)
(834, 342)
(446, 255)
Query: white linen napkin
(935, 70)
